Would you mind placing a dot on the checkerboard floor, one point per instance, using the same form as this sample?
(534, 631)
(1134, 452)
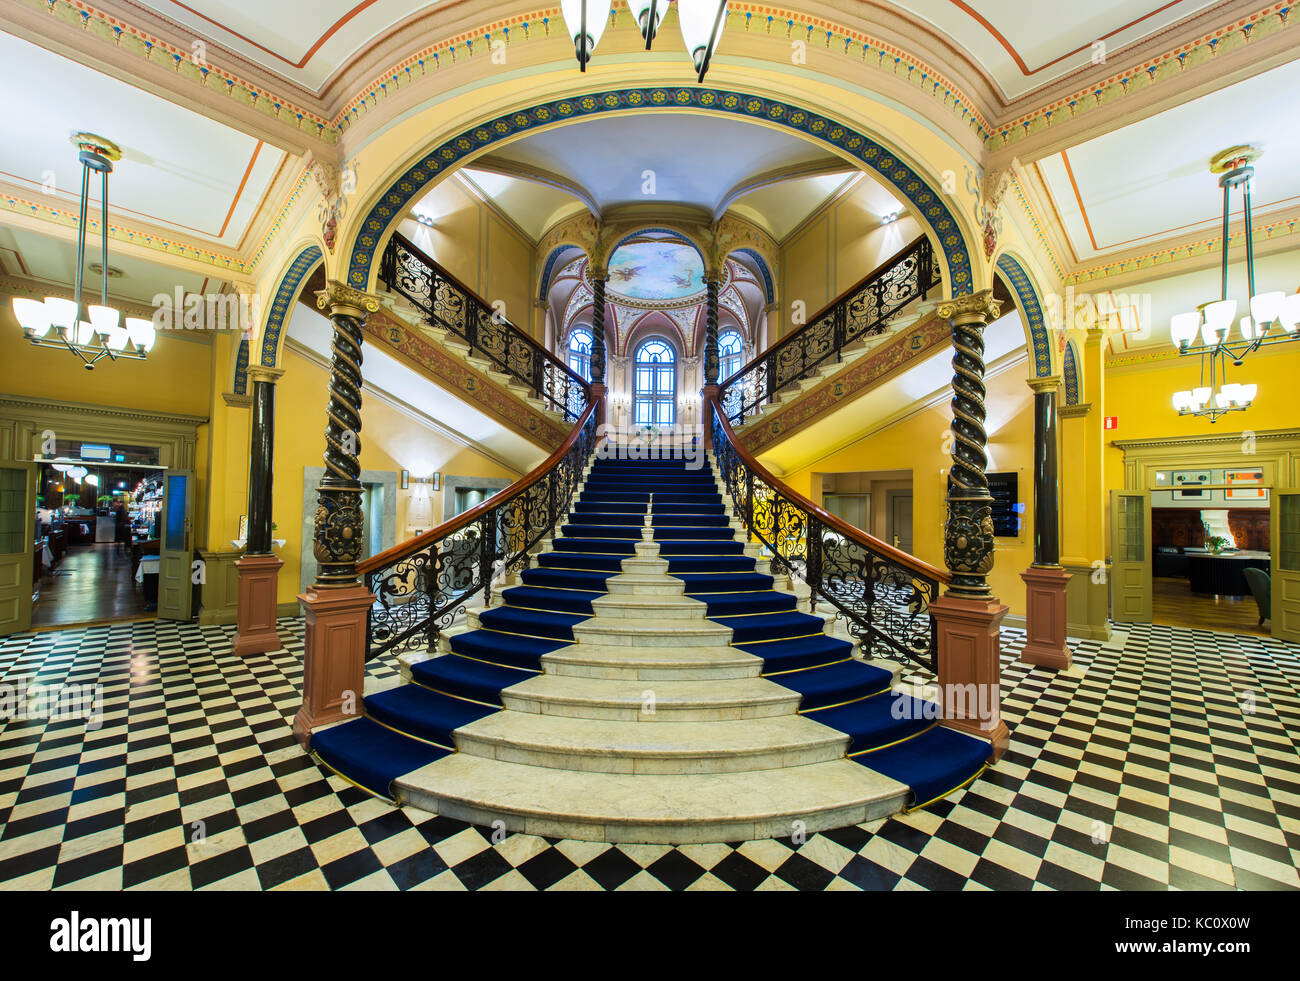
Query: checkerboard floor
(1169, 762)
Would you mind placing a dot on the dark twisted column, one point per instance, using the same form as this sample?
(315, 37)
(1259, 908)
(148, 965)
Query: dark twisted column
(1047, 532)
(968, 532)
(260, 460)
(711, 331)
(598, 327)
(338, 526)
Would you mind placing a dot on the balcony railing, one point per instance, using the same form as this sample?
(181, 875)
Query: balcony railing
(862, 311)
(421, 584)
(450, 305)
(883, 594)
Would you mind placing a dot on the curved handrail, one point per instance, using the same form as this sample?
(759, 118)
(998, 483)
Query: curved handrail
(433, 535)
(516, 353)
(883, 593)
(860, 310)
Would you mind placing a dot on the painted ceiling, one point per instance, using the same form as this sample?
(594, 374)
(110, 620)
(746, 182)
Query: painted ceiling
(662, 271)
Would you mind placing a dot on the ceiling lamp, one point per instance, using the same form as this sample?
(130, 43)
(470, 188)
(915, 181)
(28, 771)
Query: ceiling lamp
(586, 20)
(1207, 331)
(702, 22)
(648, 14)
(62, 323)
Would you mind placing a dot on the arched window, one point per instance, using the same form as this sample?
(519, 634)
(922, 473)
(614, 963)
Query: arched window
(580, 352)
(655, 385)
(729, 345)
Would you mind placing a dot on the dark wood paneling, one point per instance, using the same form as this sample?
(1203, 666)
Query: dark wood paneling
(1182, 528)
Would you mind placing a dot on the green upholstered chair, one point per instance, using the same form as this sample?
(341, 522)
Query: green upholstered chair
(1262, 588)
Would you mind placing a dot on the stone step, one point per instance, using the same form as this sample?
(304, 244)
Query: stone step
(621, 606)
(644, 584)
(682, 662)
(646, 633)
(649, 808)
(561, 743)
(660, 701)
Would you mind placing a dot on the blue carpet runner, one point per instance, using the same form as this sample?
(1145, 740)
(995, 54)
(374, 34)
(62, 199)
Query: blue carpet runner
(406, 727)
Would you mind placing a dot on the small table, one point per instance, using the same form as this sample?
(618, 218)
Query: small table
(147, 576)
(1223, 574)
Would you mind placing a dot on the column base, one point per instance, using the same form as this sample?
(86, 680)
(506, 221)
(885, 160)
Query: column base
(259, 577)
(970, 669)
(1045, 627)
(334, 658)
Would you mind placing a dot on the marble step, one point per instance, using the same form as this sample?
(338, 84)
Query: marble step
(643, 584)
(561, 743)
(646, 633)
(659, 701)
(650, 808)
(621, 606)
(680, 662)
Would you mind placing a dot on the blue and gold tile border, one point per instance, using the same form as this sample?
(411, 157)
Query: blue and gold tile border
(928, 203)
(283, 302)
(1032, 309)
(240, 386)
(1070, 372)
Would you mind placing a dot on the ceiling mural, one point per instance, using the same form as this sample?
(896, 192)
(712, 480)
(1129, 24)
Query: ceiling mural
(660, 271)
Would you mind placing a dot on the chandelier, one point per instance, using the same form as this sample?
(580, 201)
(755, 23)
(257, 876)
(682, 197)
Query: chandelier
(95, 332)
(702, 22)
(1273, 316)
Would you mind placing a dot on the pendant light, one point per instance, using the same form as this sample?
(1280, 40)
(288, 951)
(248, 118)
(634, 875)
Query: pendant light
(648, 14)
(586, 20)
(702, 24)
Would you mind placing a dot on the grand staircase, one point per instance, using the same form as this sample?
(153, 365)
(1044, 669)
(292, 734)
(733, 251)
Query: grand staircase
(648, 678)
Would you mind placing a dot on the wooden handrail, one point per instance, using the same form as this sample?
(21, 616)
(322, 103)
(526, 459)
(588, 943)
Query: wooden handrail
(442, 271)
(420, 542)
(788, 338)
(838, 525)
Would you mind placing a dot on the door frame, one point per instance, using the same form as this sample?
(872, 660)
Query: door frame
(891, 496)
(1118, 566)
(1276, 452)
(25, 584)
(1284, 584)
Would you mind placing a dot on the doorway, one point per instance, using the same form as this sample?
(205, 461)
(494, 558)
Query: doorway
(898, 525)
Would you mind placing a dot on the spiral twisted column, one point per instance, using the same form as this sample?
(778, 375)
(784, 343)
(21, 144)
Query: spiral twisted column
(968, 531)
(711, 330)
(598, 327)
(338, 525)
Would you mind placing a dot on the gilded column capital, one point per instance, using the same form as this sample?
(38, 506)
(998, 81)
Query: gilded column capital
(260, 373)
(1045, 383)
(974, 308)
(340, 298)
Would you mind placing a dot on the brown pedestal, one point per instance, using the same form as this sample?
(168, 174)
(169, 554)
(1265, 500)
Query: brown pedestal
(1045, 618)
(334, 659)
(258, 585)
(970, 670)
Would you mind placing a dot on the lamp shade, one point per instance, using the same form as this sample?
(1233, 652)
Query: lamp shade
(105, 319)
(698, 18)
(62, 313)
(597, 14)
(32, 316)
(1182, 401)
(1265, 307)
(1288, 313)
(1248, 329)
(1201, 396)
(1246, 393)
(649, 14)
(1183, 327)
(141, 332)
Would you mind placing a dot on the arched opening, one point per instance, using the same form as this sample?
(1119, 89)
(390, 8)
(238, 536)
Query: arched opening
(654, 399)
(730, 345)
(578, 352)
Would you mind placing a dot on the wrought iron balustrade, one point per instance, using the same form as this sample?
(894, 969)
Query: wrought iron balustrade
(883, 594)
(420, 585)
(450, 305)
(862, 311)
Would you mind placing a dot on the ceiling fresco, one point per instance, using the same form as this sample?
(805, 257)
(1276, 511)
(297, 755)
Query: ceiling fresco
(658, 271)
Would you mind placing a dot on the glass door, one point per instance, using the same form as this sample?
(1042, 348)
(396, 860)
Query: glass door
(1130, 542)
(17, 541)
(175, 551)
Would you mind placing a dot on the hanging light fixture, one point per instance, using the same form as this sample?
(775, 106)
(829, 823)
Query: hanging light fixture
(586, 20)
(1273, 317)
(702, 23)
(62, 323)
(648, 14)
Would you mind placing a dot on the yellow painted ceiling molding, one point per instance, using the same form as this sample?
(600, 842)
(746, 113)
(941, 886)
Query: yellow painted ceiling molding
(150, 48)
(1163, 69)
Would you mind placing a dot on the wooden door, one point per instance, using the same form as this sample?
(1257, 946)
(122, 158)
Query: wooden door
(1286, 565)
(17, 538)
(1130, 572)
(175, 548)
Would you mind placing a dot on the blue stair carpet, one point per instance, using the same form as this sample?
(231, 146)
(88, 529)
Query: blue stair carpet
(412, 725)
(890, 733)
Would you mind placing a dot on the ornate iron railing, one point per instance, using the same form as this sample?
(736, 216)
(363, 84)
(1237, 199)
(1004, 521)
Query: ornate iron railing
(420, 585)
(449, 304)
(883, 594)
(862, 311)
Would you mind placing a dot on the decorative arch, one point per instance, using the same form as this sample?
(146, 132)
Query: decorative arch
(559, 256)
(239, 385)
(282, 302)
(1032, 308)
(1070, 374)
(769, 289)
(929, 204)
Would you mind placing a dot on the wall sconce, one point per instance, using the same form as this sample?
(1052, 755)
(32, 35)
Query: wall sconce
(406, 479)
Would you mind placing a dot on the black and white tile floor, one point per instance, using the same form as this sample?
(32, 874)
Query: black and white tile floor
(1170, 763)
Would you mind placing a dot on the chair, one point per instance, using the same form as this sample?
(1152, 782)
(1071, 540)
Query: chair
(1262, 588)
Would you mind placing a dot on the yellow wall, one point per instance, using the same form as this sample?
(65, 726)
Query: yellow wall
(477, 246)
(833, 252)
(917, 444)
(391, 440)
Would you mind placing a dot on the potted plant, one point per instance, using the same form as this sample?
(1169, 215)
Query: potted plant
(1216, 544)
